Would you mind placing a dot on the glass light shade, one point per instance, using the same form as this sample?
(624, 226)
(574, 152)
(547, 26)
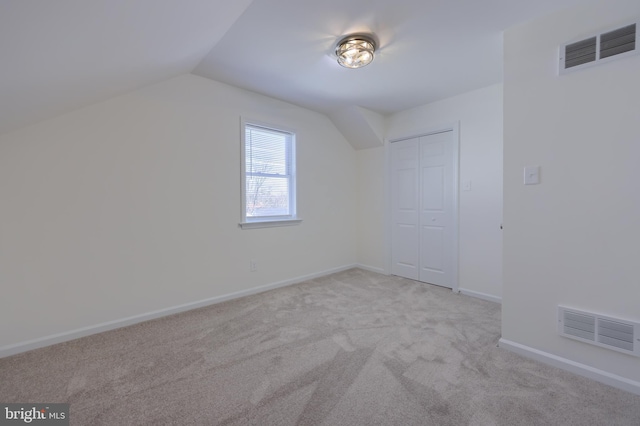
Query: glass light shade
(355, 52)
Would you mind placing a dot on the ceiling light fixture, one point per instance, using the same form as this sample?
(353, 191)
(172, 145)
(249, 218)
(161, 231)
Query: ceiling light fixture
(355, 51)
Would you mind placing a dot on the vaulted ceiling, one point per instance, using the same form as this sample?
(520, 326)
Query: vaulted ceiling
(56, 56)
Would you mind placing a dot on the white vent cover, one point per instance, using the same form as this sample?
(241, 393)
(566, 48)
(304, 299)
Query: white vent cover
(612, 333)
(609, 45)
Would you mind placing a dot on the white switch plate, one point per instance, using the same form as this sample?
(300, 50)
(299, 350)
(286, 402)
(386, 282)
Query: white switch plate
(532, 175)
(466, 185)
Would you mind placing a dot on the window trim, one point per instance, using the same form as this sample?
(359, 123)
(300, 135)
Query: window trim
(267, 221)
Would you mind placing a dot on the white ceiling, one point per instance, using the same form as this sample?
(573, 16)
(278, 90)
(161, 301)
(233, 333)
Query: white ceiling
(60, 55)
(429, 49)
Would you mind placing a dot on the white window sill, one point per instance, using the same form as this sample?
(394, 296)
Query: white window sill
(270, 223)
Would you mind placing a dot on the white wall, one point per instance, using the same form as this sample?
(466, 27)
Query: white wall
(480, 115)
(573, 239)
(371, 208)
(133, 204)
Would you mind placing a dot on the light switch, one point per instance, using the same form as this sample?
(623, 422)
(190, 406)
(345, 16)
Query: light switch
(532, 175)
(466, 185)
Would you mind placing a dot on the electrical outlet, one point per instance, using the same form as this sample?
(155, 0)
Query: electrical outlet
(253, 266)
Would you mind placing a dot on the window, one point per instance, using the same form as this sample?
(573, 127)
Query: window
(268, 177)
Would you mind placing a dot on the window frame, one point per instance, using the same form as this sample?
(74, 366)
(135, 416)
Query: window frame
(249, 222)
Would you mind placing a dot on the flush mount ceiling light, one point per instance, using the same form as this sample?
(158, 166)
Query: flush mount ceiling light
(355, 51)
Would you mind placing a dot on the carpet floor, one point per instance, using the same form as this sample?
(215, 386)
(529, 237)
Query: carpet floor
(352, 348)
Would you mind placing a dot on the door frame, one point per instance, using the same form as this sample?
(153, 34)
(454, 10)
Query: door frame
(455, 128)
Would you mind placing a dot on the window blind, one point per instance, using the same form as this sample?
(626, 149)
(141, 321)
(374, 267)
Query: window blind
(269, 178)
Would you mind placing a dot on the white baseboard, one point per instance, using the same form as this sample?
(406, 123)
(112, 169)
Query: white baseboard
(572, 366)
(479, 295)
(371, 268)
(41, 342)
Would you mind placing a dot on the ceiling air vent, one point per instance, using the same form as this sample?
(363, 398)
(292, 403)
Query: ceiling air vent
(611, 333)
(599, 48)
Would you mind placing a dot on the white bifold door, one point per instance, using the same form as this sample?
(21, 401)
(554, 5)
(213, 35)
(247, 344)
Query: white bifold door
(423, 207)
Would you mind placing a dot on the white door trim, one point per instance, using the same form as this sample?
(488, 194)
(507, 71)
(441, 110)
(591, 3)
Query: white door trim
(455, 128)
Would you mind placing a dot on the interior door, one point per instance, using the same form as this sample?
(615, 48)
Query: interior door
(405, 240)
(436, 209)
(423, 208)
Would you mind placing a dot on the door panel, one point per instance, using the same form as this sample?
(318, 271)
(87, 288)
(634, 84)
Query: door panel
(405, 235)
(407, 190)
(432, 188)
(432, 253)
(436, 209)
(406, 257)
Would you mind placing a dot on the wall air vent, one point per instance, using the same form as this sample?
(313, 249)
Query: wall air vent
(611, 333)
(596, 49)
(618, 41)
(581, 52)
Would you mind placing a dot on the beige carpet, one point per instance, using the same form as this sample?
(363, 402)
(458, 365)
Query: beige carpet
(354, 348)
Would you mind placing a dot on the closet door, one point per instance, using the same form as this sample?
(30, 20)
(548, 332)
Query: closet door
(436, 209)
(423, 208)
(405, 240)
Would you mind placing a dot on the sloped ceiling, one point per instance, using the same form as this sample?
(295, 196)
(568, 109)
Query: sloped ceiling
(58, 55)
